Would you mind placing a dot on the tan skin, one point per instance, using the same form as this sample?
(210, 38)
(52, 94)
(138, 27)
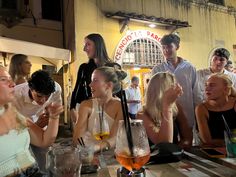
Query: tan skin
(217, 100)
(112, 106)
(165, 134)
(8, 120)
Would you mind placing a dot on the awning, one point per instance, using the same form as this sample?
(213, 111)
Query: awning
(33, 49)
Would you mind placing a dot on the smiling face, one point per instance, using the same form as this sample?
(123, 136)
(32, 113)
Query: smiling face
(89, 48)
(99, 86)
(170, 50)
(215, 88)
(218, 63)
(6, 87)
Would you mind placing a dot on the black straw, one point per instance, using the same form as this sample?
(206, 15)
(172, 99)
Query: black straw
(228, 131)
(81, 141)
(126, 120)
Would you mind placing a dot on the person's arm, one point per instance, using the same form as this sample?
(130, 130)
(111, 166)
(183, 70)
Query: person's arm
(38, 136)
(78, 80)
(82, 123)
(204, 132)
(186, 134)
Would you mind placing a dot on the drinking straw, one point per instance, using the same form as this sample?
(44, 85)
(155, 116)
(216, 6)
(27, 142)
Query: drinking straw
(126, 121)
(228, 131)
(81, 141)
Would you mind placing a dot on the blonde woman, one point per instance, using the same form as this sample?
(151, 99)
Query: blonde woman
(104, 83)
(17, 132)
(220, 102)
(160, 110)
(19, 68)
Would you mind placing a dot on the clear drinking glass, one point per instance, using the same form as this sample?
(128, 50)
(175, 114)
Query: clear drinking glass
(64, 161)
(141, 151)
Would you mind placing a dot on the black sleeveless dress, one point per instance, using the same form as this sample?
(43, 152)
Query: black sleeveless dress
(216, 124)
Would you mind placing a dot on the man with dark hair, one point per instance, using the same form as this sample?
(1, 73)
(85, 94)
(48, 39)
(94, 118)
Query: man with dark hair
(133, 97)
(219, 59)
(32, 99)
(184, 72)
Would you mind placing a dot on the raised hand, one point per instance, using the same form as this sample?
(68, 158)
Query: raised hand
(170, 95)
(54, 110)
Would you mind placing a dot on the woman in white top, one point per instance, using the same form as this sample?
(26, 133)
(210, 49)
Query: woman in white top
(17, 132)
(105, 82)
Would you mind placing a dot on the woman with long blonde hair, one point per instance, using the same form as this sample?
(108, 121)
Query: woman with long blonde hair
(160, 109)
(220, 102)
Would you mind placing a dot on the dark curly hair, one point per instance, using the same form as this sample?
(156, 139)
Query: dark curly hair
(169, 38)
(41, 82)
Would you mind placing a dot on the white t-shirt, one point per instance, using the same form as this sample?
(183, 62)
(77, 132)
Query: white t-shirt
(28, 107)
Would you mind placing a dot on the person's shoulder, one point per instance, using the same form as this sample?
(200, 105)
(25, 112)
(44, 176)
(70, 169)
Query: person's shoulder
(202, 107)
(187, 63)
(23, 86)
(204, 71)
(87, 103)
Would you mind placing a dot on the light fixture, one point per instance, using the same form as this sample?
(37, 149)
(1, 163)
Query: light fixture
(152, 25)
(124, 24)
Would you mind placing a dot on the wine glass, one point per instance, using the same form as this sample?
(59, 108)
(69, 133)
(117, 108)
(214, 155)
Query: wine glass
(139, 154)
(101, 128)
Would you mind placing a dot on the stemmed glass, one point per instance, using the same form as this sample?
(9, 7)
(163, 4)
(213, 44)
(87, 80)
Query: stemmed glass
(135, 158)
(101, 130)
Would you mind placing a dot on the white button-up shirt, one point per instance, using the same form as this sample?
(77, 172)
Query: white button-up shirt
(185, 74)
(133, 94)
(28, 107)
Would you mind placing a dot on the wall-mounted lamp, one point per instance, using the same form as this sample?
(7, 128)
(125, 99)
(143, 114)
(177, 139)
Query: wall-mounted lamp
(123, 24)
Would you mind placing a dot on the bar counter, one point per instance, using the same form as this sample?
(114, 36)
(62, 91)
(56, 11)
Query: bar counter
(194, 164)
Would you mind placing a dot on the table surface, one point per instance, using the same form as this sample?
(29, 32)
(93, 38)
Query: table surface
(194, 164)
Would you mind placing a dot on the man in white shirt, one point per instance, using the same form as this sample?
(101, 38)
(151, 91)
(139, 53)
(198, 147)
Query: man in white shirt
(32, 99)
(133, 97)
(218, 61)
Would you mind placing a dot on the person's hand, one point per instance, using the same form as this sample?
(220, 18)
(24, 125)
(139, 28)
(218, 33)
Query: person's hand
(170, 95)
(54, 110)
(43, 120)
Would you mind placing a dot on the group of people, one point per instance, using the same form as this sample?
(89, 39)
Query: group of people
(177, 100)
(174, 100)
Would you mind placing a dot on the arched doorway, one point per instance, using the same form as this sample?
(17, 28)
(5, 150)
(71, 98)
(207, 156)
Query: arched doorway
(138, 52)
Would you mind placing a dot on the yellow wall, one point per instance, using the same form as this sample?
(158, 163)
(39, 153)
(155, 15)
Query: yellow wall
(208, 26)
